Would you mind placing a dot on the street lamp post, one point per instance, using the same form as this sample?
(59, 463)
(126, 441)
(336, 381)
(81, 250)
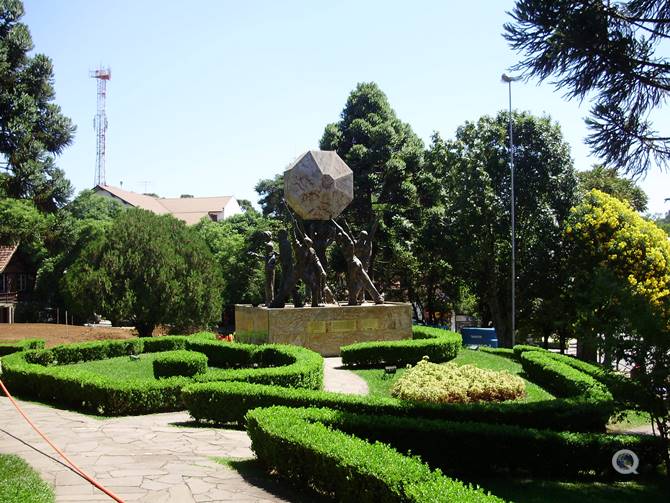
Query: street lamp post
(508, 80)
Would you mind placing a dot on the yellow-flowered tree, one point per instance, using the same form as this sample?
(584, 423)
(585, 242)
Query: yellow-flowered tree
(620, 290)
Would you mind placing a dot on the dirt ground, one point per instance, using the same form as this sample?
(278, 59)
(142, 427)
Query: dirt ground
(61, 334)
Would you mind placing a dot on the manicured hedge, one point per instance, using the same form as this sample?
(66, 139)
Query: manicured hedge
(479, 448)
(228, 402)
(438, 344)
(9, 347)
(179, 363)
(293, 444)
(562, 379)
(42, 374)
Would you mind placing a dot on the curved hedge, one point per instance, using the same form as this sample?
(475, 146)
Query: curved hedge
(294, 444)
(470, 448)
(44, 375)
(179, 363)
(562, 379)
(438, 344)
(9, 347)
(228, 402)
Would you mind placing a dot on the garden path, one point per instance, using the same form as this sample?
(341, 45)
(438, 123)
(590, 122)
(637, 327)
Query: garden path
(158, 458)
(141, 459)
(336, 378)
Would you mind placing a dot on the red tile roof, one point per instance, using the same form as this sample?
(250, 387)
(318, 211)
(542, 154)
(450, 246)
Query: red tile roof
(6, 253)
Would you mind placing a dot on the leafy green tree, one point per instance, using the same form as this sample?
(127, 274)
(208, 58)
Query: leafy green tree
(606, 180)
(621, 291)
(68, 231)
(664, 222)
(611, 51)
(148, 269)
(230, 242)
(20, 221)
(477, 217)
(271, 197)
(386, 158)
(32, 128)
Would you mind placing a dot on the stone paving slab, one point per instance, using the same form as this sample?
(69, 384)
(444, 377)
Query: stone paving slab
(153, 458)
(141, 458)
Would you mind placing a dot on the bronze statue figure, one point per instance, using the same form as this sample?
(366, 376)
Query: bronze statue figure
(357, 277)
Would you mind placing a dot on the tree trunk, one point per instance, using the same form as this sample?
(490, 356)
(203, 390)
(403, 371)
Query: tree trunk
(145, 329)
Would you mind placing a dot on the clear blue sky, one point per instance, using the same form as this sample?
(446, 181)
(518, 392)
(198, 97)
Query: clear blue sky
(208, 97)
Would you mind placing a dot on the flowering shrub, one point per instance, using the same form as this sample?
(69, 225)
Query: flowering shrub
(448, 383)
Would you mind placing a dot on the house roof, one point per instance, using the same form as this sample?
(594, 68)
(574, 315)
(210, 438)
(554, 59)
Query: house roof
(134, 199)
(192, 209)
(188, 209)
(6, 254)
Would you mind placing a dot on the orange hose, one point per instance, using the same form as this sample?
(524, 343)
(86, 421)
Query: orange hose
(74, 467)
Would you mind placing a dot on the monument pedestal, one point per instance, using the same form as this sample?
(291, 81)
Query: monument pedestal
(324, 329)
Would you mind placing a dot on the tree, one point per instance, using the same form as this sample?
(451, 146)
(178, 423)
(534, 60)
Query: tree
(67, 232)
(32, 128)
(611, 50)
(271, 197)
(230, 242)
(148, 269)
(386, 158)
(477, 218)
(664, 222)
(620, 287)
(606, 180)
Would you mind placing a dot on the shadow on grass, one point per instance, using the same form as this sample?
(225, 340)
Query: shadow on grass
(652, 490)
(253, 472)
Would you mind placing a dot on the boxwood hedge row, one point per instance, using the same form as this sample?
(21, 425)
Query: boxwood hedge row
(44, 375)
(179, 363)
(9, 347)
(228, 402)
(294, 444)
(622, 388)
(481, 448)
(438, 344)
(562, 379)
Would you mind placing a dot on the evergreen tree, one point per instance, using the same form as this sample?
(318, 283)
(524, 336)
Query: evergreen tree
(386, 158)
(32, 128)
(608, 50)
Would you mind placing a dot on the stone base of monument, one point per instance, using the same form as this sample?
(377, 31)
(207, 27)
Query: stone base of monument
(323, 329)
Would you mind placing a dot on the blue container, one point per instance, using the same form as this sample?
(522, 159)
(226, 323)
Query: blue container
(479, 337)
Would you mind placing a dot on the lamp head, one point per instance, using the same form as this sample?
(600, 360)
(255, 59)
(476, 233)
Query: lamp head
(507, 79)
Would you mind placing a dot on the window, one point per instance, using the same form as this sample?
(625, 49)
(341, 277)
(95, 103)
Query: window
(23, 282)
(2, 283)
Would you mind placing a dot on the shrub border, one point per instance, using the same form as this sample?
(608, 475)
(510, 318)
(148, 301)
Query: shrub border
(33, 373)
(296, 445)
(10, 347)
(438, 344)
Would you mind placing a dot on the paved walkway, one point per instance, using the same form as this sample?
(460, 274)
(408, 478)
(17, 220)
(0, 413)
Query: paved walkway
(336, 378)
(158, 458)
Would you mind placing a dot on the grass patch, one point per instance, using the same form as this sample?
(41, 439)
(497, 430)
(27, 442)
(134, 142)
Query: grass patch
(630, 419)
(380, 385)
(19, 483)
(121, 368)
(555, 491)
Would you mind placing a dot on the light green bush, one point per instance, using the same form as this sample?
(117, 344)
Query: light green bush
(449, 383)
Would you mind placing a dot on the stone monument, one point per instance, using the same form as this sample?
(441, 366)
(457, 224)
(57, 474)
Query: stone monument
(318, 186)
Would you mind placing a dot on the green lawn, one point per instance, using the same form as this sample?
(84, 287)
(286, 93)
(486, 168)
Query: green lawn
(380, 386)
(554, 491)
(19, 483)
(121, 368)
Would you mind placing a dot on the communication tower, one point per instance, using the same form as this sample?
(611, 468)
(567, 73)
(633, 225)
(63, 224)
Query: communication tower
(100, 123)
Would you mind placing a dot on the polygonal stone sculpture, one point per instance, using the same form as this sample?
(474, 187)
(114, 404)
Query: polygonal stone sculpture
(318, 185)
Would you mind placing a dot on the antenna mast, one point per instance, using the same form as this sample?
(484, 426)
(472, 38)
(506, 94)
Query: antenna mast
(100, 123)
